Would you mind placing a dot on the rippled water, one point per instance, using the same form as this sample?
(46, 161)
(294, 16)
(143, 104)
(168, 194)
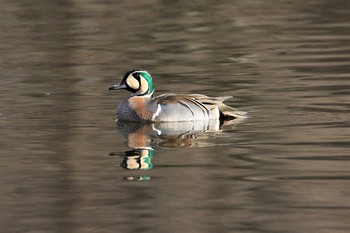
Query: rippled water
(67, 167)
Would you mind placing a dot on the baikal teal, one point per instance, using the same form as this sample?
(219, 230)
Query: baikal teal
(142, 106)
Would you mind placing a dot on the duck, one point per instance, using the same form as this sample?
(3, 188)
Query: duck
(143, 106)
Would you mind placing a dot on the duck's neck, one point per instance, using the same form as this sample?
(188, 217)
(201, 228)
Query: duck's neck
(147, 96)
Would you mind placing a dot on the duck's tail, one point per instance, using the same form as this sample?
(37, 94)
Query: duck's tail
(228, 113)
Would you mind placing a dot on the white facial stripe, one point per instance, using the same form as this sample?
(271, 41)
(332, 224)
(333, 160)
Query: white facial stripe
(132, 82)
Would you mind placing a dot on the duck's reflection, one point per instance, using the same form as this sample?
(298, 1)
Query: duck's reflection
(167, 134)
(138, 159)
(144, 137)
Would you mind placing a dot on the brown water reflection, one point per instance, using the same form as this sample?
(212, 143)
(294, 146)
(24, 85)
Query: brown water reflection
(142, 138)
(286, 169)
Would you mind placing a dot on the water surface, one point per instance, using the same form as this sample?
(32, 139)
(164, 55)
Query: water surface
(64, 161)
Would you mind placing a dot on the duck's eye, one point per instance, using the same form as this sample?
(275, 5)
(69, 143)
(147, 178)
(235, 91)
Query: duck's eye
(137, 76)
(132, 82)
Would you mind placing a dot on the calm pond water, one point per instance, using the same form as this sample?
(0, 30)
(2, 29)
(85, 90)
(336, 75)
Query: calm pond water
(66, 166)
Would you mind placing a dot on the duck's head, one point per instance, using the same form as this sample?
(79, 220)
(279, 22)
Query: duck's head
(138, 82)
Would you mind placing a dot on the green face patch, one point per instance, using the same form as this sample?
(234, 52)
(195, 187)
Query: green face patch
(149, 80)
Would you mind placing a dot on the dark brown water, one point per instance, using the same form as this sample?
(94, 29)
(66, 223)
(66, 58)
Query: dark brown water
(285, 169)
